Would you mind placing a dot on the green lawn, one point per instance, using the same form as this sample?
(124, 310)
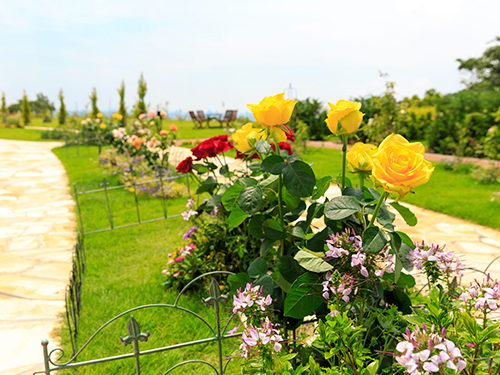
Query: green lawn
(21, 134)
(123, 271)
(455, 194)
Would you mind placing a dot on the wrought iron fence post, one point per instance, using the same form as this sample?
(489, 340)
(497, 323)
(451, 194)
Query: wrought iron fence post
(46, 365)
(78, 207)
(110, 214)
(162, 193)
(134, 336)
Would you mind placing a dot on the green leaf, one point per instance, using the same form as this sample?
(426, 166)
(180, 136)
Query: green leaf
(375, 194)
(322, 186)
(200, 168)
(395, 242)
(250, 199)
(230, 197)
(407, 215)
(207, 186)
(406, 240)
(224, 170)
(273, 164)
(318, 240)
(291, 200)
(273, 230)
(312, 262)
(255, 226)
(246, 181)
(340, 208)
(295, 214)
(281, 281)
(304, 296)
(398, 266)
(236, 217)
(374, 240)
(240, 280)
(298, 232)
(352, 192)
(263, 147)
(267, 282)
(289, 268)
(257, 267)
(265, 246)
(299, 178)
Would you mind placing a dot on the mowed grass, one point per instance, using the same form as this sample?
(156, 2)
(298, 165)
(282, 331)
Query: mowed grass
(454, 194)
(21, 134)
(124, 271)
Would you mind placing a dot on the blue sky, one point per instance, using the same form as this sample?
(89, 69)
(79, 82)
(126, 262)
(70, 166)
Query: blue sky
(201, 54)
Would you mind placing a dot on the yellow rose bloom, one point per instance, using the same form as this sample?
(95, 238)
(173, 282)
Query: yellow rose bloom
(99, 115)
(102, 126)
(241, 137)
(399, 166)
(358, 157)
(344, 117)
(273, 111)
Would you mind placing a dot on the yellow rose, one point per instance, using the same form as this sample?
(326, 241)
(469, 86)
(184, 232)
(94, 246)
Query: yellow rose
(399, 166)
(99, 115)
(344, 117)
(102, 126)
(358, 157)
(273, 111)
(241, 137)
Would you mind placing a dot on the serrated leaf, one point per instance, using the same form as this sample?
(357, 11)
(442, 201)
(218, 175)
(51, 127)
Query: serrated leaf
(322, 186)
(263, 147)
(374, 240)
(273, 230)
(312, 262)
(304, 296)
(207, 186)
(250, 199)
(257, 267)
(299, 178)
(246, 181)
(230, 197)
(340, 208)
(407, 215)
(236, 217)
(352, 192)
(273, 164)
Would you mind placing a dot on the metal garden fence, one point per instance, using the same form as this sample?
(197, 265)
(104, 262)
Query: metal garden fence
(135, 336)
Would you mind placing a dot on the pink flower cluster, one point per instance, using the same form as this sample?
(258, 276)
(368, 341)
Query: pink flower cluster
(347, 243)
(187, 215)
(187, 250)
(255, 337)
(119, 133)
(483, 296)
(387, 264)
(426, 351)
(252, 295)
(343, 290)
(446, 261)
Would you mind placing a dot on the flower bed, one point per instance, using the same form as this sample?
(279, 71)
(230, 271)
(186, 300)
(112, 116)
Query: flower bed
(352, 278)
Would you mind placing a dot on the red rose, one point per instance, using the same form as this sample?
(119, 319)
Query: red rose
(289, 134)
(212, 147)
(283, 146)
(186, 165)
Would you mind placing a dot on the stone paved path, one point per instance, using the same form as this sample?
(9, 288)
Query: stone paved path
(37, 232)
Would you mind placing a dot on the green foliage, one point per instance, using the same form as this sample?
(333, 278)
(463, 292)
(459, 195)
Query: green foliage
(25, 110)
(311, 113)
(492, 143)
(484, 70)
(140, 106)
(122, 109)
(42, 106)
(62, 114)
(3, 108)
(93, 103)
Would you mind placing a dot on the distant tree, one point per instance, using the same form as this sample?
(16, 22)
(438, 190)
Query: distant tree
(140, 106)
(3, 109)
(61, 115)
(485, 70)
(93, 102)
(42, 105)
(122, 110)
(25, 109)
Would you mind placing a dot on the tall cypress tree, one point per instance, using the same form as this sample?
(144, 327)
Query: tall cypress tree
(25, 109)
(93, 103)
(140, 106)
(122, 110)
(61, 115)
(3, 110)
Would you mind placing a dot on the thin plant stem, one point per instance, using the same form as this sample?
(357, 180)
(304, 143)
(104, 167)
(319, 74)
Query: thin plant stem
(383, 197)
(344, 153)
